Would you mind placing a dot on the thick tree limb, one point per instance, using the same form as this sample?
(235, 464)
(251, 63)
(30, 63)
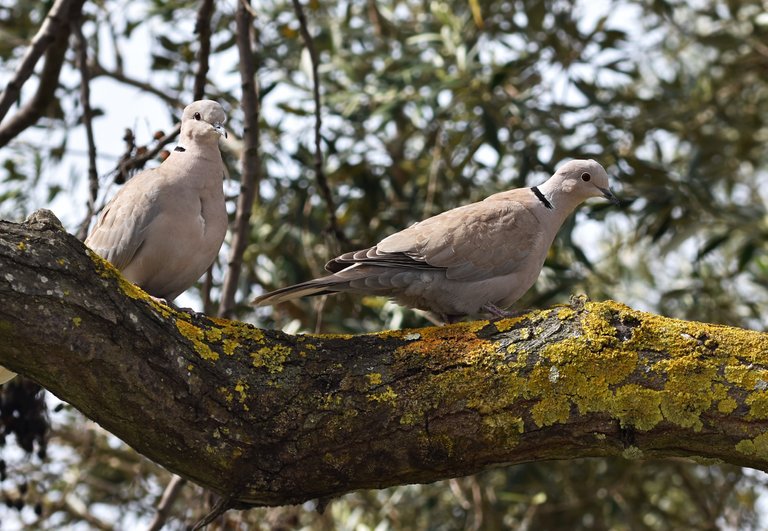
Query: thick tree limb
(262, 417)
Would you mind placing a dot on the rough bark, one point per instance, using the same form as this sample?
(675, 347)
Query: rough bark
(262, 417)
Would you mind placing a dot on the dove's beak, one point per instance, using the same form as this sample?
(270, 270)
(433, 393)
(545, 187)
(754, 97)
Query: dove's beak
(609, 195)
(220, 129)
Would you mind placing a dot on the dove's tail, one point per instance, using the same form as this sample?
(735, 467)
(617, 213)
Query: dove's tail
(318, 286)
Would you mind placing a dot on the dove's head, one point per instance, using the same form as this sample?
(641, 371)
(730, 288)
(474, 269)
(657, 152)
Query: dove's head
(203, 120)
(580, 180)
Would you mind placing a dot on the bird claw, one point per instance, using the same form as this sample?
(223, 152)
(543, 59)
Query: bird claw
(168, 303)
(497, 312)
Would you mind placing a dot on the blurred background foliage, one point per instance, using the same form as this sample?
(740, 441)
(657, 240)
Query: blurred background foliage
(428, 105)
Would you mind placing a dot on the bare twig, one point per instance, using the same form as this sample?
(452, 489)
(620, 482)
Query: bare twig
(170, 494)
(222, 505)
(322, 180)
(55, 23)
(205, 292)
(31, 112)
(85, 101)
(203, 29)
(98, 70)
(127, 166)
(250, 158)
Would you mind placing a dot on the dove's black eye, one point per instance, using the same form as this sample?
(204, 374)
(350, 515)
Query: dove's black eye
(198, 117)
(585, 177)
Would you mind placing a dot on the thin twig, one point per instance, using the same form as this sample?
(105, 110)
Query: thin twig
(170, 494)
(98, 70)
(220, 507)
(322, 180)
(127, 166)
(54, 24)
(203, 29)
(250, 158)
(31, 112)
(85, 101)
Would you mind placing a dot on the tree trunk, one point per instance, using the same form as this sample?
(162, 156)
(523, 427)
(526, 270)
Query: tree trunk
(262, 417)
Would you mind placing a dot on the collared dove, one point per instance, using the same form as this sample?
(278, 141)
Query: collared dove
(477, 258)
(164, 228)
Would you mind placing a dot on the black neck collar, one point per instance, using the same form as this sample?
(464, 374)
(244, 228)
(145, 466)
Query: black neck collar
(541, 197)
(179, 148)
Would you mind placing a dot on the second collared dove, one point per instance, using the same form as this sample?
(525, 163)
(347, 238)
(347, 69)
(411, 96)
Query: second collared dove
(164, 228)
(477, 258)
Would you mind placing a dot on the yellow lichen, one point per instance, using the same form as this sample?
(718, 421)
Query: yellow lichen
(21, 246)
(213, 334)
(757, 447)
(727, 405)
(758, 405)
(632, 452)
(504, 325)
(388, 396)
(503, 429)
(77, 321)
(227, 394)
(271, 358)
(197, 337)
(373, 378)
(637, 407)
(240, 389)
(329, 401)
(551, 410)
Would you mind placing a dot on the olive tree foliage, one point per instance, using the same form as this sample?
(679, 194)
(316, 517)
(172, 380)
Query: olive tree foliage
(424, 106)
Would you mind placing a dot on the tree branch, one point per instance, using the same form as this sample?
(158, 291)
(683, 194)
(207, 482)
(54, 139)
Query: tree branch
(97, 70)
(203, 30)
(87, 117)
(165, 505)
(322, 180)
(126, 166)
(55, 52)
(250, 159)
(55, 25)
(262, 417)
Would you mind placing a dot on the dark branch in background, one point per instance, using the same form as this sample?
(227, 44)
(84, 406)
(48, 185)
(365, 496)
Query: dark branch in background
(250, 158)
(55, 51)
(165, 505)
(322, 180)
(98, 70)
(203, 29)
(55, 23)
(85, 101)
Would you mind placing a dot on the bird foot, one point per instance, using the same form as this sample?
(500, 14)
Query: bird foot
(498, 313)
(166, 302)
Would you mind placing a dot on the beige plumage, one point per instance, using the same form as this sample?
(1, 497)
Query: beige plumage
(478, 258)
(164, 228)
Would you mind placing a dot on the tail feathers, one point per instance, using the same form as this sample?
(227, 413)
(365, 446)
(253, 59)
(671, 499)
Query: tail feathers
(319, 286)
